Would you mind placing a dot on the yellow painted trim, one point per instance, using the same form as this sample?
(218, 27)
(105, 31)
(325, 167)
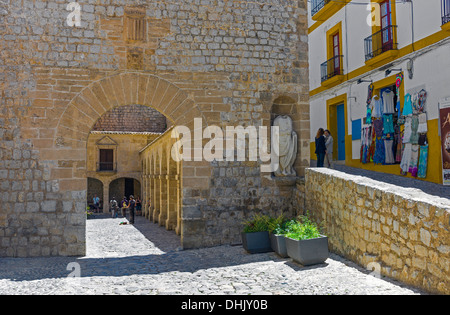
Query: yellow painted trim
(420, 44)
(330, 33)
(336, 80)
(386, 57)
(332, 123)
(329, 10)
(445, 27)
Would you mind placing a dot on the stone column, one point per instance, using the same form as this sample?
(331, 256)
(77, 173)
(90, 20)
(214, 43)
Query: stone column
(172, 183)
(106, 197)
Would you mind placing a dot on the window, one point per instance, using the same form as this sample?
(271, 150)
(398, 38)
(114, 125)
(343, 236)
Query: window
(333, 67)
(387, 37)
(106, 160)
(383, 38)
(136, 28)
(135, 24)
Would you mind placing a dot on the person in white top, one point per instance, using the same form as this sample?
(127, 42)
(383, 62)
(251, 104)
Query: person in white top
(329, 151)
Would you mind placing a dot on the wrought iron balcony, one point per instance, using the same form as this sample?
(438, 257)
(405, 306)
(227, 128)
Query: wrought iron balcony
(332, 68)
(316, 5)
(445, 4)
(380, 42)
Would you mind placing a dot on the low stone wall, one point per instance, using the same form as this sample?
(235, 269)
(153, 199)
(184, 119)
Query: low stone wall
(404, 230)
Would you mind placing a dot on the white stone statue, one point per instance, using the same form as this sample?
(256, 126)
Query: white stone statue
(287, 146)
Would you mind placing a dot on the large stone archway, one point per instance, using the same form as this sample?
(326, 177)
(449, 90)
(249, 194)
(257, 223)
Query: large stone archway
(83, 111)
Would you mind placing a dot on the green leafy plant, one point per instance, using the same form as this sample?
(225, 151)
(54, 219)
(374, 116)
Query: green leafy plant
(259, 223)
(303, 229)
(275, 223)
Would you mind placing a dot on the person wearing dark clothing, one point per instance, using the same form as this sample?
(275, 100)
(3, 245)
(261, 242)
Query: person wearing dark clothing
(321, 148)
(131, 208)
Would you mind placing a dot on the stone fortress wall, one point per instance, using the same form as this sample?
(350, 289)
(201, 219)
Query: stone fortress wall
(228, 62)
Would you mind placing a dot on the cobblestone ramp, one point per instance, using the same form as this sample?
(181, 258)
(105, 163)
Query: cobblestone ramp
(147, 259)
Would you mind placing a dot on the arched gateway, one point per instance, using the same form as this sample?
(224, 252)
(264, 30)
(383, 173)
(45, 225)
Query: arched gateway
(93, 102)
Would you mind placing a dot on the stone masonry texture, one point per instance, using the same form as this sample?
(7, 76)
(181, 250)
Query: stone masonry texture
(224, 61)
(403, 231)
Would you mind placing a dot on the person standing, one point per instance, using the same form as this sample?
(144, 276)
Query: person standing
(96, 201)
(123, 206)
(329, 149)
(320, 147)
(114, 208)
(131, 208)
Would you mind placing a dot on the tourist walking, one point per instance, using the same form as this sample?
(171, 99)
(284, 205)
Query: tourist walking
(114, 208)
(320, 147)
(329, 149)
(131, 208)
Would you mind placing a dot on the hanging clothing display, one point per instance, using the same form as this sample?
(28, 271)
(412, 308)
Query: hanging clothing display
(388, 102)
(423, 162)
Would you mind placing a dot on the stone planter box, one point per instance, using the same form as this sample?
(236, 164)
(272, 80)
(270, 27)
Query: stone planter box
(308, 252)
(258, 242)
(278, 243)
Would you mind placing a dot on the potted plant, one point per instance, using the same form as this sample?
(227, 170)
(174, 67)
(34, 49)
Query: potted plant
(255, 236)
(277, 229)
(305, 244)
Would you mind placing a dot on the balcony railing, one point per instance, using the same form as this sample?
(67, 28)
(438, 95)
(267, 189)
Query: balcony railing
(316, 5)
(331, 68)
(445, 11)
(380, 42)
(106, 167)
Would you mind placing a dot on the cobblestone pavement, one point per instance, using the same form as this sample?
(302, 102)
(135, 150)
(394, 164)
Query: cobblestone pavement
(146, 259)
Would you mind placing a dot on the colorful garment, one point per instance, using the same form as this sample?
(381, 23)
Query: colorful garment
(388, 124)
(380, 154)
(414, 128)
(423, 127)
(388, 102)
(406, 158)
(408, 130)
(398, 154)
(378, 127)
(414, 162)
(389, 153)
(377, 107)
(407, 107)
(423, 162)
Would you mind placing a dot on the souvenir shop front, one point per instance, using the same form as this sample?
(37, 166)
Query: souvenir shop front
(394, 133)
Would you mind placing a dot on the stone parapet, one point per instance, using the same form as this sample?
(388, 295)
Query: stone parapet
(403, 230)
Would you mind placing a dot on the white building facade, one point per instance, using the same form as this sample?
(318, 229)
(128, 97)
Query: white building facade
(395, 51)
